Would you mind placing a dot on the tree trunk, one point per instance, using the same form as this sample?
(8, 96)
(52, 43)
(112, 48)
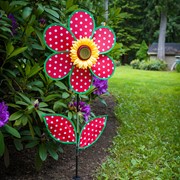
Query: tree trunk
(106, 9)
(162, 37)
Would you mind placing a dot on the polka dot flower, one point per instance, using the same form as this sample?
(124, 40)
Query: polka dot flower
(79, 51)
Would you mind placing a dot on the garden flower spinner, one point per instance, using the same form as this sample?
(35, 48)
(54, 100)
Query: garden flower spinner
(79, 51)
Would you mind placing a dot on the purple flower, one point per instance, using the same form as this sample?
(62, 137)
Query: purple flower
(14, 24)
(42, 22)
(4, 114)
(100, 85)
(82, 107)
(36, 103)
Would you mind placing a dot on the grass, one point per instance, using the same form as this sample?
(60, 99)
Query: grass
(147, 145)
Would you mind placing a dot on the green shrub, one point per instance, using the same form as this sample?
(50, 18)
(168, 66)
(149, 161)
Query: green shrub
(152, 64)
(135, 64)
(24, 87)
(178, 67)
(142, 52)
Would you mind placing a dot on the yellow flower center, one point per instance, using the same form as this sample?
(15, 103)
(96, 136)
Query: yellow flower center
(84, 53)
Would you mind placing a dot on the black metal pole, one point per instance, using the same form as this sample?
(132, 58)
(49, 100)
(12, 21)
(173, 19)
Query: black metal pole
(77, 149)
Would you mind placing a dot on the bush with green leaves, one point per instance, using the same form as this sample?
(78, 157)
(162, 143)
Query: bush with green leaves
(135, 64)
(25, 89)
(142, 52)
(178, 67)
(152, 64)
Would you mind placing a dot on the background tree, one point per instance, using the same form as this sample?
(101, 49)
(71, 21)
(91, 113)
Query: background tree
(164, 10)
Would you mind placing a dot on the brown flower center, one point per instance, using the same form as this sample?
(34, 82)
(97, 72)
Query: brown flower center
(84, 52)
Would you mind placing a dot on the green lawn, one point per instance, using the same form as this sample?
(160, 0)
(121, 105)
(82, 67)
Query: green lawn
(147, 145)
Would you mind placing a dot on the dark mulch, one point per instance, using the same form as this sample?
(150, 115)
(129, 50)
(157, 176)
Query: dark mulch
(22, 163)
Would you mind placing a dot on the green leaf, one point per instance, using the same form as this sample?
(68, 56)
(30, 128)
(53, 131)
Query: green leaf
(32, 144)
(16, 52)
(40, 114)
(29, 30)
(13, 105)
(102, 101)
(2, 145)
(65, 95)
(42, 152)
(38, 162)
(70, 115)
(51, 97)
(37, 130)
(18, 122)
(34, 70)
(58, 105)
(40, 9)
(5, 29)
(15, 115)
(21, 3)
(26, 12)
(52, 12)
(61, 85)
(31, 129)
(6, 157)
(42, 104)
(24, 120)
(9, 48)
(71, 9)
(12, 131)
(22, 103)
(40, 36)
(37, 46)
(69, 3)
(47, 110)
(18, 144)
(53, 153)
(25, 98)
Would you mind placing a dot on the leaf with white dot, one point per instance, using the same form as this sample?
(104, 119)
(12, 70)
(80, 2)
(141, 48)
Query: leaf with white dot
(91, 132)
(60, 128)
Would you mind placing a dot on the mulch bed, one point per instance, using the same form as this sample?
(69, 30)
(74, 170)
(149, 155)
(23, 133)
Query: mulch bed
(22, 163)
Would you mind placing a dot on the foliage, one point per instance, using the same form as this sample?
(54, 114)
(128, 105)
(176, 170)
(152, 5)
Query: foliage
(178, 67)
(147, 142)
(152, 64)
(135, 64)
(25, 88)
(142, 52)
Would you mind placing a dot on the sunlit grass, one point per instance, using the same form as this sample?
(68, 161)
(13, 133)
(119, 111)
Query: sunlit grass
(147, 145)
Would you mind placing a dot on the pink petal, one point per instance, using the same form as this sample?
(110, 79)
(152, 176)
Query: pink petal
(80, 80)
(92, 131)
(104, 38)
(58, 66)
(104, 67)
(82, 24)
(58, 38)
(60, 128)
